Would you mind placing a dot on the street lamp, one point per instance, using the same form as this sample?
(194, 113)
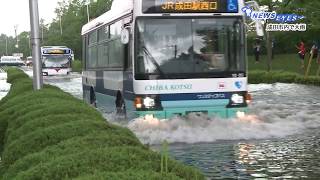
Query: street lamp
(6, 45)
(15, 31)
(29, 44)
(87, 3)
(59, 13)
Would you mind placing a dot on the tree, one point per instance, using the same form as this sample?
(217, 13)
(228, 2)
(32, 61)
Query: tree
(71, 16)
(24, 43)
(286, 41)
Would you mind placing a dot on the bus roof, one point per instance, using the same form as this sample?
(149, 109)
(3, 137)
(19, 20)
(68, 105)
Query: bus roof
(118, 9)
(53, 47)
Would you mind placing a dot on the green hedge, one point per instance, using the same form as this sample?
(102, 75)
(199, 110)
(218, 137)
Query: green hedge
(76, 66)
(48, 134)
(256, 77)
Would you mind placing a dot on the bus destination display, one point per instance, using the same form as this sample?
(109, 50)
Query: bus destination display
(55, 51)
(190, 6)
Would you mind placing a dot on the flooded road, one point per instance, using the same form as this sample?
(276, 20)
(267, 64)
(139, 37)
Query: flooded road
(4, 86)
(71, 83)
(279, 139)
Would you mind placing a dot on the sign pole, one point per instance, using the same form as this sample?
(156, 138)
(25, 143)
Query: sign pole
(309, 65)
(318, 71)
(35, 40)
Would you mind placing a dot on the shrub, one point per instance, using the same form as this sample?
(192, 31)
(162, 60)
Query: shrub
(130, 175)
(71, 146)
(256, 77)
(76, 66)
(119, 158)
(48, 134)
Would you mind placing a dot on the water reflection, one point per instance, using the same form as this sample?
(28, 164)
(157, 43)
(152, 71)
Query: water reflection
(295, 157)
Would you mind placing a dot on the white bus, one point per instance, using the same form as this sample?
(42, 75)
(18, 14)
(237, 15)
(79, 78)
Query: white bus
(11, 61)
(56, 60)
(163, 58)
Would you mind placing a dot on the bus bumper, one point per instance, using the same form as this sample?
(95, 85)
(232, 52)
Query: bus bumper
(56, 71)
(211, 112)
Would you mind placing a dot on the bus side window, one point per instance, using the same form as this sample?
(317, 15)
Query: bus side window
(84, 52)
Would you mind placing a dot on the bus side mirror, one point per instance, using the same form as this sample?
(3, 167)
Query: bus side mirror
(125, 36)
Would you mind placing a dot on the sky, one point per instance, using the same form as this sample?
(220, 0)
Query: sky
(16, 12)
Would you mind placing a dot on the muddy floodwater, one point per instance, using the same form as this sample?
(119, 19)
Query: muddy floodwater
(279, 139)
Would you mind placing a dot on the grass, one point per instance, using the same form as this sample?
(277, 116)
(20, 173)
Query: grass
(49, 134)
(256, 77)
(283, 62)
(286, 68)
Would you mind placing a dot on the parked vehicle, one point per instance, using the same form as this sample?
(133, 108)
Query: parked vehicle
(29, 61)
(11, 61)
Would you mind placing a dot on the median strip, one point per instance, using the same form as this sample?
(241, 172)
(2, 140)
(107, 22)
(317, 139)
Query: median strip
(49, 134)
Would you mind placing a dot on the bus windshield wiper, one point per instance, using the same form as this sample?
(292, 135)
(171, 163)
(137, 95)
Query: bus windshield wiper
(153, 60)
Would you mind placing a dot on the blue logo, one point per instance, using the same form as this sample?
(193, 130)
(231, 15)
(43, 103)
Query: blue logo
(232, 6)
(238, 84)
(261, 15)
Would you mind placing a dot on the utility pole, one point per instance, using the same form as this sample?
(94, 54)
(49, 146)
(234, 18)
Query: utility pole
(42, 35)
(29, 44)
(16, 34)
(42, 29)
(35, 39)
(87, 4)
(6, 45)
(60, 24)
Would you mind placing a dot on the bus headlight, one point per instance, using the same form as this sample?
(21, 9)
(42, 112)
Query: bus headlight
(148, 102)
(248, 98)
(237, 99)
(240, 114)
(138, 102)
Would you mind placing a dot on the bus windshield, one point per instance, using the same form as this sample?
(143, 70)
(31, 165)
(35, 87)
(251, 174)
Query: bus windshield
(188, 48)
(56, 61)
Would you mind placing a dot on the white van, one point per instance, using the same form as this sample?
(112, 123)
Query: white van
(11, 61)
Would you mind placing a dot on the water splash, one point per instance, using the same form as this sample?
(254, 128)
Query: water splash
(276, 112)
(196, 129)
